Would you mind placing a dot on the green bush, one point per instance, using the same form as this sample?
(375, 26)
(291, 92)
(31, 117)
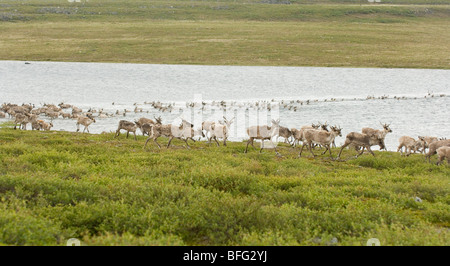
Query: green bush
(107, 191)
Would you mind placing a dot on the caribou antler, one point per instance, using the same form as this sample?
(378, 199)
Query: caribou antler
(158, 119)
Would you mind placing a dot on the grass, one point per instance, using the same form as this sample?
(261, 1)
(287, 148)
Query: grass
(106, 191)
(411, 34)
(59, 185)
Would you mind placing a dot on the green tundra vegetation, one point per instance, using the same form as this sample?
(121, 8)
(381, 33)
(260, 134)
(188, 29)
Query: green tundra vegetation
(340, 33)
(110, 191)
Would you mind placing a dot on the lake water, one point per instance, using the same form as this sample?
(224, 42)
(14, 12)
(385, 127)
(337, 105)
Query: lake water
(415, 101)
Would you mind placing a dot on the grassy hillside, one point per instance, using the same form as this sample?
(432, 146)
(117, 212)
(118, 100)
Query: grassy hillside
(303, 33)
(106, 191)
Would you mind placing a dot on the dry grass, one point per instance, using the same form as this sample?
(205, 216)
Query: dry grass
(231, 43)
(202, 33)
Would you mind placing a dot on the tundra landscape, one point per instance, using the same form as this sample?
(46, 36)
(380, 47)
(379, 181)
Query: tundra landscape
(319, 170)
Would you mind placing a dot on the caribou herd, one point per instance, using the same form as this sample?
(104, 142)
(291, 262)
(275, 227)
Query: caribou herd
(311, 136)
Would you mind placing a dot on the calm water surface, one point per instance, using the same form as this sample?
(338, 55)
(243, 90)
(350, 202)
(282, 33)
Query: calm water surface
(417, 99)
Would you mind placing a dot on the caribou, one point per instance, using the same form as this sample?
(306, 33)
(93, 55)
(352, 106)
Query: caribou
(443, 152)
(436, 145)
(380, 133)
(220, 130)
(183, 131)
(298, 133)
(263, 133)
(409, 144)
(362, 140)
(86, 121)
(321, 137)
(128, 126)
